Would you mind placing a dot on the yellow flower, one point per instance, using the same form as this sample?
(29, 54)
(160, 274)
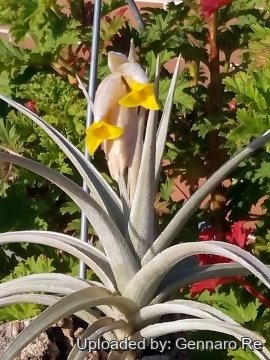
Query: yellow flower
(100, 131)
(116, 105)
(140, 95)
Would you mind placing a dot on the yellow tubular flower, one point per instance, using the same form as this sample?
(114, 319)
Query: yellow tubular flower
(104, 127)
(141, 92)
(140, 95)
(100, 131)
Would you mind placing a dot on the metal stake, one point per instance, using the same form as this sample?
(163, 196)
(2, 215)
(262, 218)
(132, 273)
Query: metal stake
(136, 13)
(91, 91)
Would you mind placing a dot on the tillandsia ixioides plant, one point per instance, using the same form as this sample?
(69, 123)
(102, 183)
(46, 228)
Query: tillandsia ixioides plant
(139, 268)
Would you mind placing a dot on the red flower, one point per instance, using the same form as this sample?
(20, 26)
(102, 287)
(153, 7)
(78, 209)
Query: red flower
(209, 285)
(236, 236)
(208, 7)
(206, 235)
(31, 105)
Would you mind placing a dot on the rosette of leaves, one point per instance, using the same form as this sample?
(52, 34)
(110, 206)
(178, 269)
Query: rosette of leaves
(134, 289)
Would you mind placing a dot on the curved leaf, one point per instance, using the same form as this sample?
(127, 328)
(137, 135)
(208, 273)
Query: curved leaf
(48, 300)
(100, 189)
(205, 272)
(183, 215)
(143, 286)
(95, 331)
(39, 299)
(187, 307)
(83, 251)
(119, 255)
(47, 283)
(153, 331)
(70, 304)
(178, 277)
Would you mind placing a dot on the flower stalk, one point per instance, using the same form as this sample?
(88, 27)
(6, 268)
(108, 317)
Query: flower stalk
(116, 107)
